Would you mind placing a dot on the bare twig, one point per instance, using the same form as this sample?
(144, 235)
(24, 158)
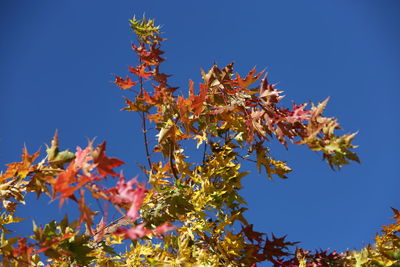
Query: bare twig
(144, 127)
(119, 210)
(240, 156)
(111, 227)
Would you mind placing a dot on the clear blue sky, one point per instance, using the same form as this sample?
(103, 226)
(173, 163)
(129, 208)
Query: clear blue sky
(57, 60)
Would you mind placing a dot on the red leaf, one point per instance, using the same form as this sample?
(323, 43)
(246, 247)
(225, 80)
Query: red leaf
(65, 180)
(125, 193)
(124, 84)
(299, 114)
(82, 158)
(151, 56)
(105, 165)
(251, 234)
(198, 100)
(140, 230)
(184, 111)
(161, 78)
(134, 233)
(140, 71)
(23, 250)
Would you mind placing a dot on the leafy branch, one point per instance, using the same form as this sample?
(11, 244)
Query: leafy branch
(188, 212)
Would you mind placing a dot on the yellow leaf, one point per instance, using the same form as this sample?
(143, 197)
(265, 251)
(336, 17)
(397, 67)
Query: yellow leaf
(200, 139)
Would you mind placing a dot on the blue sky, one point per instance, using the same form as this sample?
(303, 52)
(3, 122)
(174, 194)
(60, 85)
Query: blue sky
(58, 60)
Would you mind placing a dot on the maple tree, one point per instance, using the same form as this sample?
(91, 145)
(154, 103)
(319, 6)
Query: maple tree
(188, 213)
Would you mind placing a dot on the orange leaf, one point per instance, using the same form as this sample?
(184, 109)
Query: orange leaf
(124, 84)
(140, 71)
(86, 214)
(105, 165)
(22, 168)
(249, 80)
(64, 180)
(197, 102)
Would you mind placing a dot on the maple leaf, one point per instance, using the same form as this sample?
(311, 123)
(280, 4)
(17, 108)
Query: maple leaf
(82, 158)
(124, 84)
(162, 95)
(198, 100)
(63, 181)
(105, 165)
(183, 106)
(249, 80)
(161, 78)
(153, 58)
(56, 157)
(268, 94)
(140, 71)
(145, 30)
(140, 50)
(86, 214)
(393, 227)
(23, 250)
(277, 247)
(298, 114)
(396, 215)
(124, 193)
(149, 56)
(317, 111)
(134, 232)
(12, 190)
(141, 231)
(63, 184)
(152, 100)
(138, 105)
(20, 169)
(251, 234)
(271, 165)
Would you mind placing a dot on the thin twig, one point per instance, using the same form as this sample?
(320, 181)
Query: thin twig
(145, 139)
(205, 144)
(144, 127)
(119, 210)
(115, 222)
(110, 228)
(247, 159)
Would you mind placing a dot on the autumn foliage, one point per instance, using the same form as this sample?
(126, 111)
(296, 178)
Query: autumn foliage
(190, 211)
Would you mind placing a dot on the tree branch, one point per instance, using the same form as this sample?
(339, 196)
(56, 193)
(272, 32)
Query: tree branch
(144, 127)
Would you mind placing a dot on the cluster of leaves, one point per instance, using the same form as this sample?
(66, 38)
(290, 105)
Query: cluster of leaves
(385, 252)
(63, 175)
(190, 212)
